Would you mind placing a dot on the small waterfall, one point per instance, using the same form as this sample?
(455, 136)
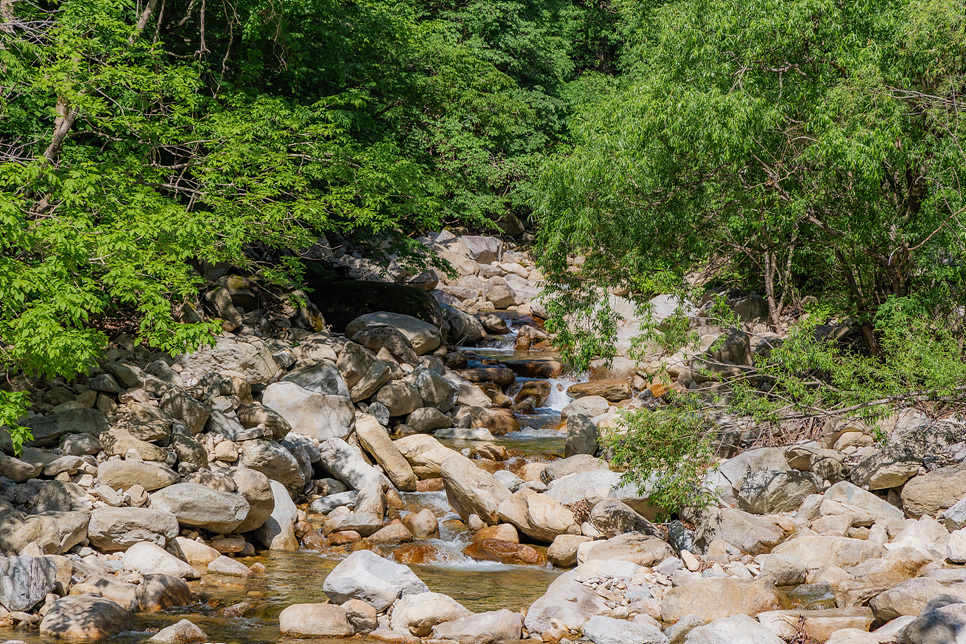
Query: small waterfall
(558, 390)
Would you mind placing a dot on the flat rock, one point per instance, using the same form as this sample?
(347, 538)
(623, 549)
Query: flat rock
(198, 506)
(711, 599)
(314, 620)
(123, 475)
(120, 528)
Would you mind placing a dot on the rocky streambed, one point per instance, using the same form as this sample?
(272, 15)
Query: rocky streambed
(408, 479)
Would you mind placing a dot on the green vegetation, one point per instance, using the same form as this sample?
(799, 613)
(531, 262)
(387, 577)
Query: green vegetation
(141, 139)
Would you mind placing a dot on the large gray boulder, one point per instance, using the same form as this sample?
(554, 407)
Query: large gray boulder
(315, 620)
(375, 439)
(315, 414)
(255, 487)
(198, 506)
(248, 356)
(120, 528)
(581, 436)
(47, 430)
(774, 491)
(25, 581)
(122, 475)
(747, 532)
(320, 377)
(346, 463)
(419, 613)
(274, 461)
(367, 576)
(423, 336)
(731, 630)
(148, 558)
(567, 602)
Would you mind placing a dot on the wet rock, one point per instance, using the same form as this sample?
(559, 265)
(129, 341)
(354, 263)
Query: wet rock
(498, 421)
(494, 627)
(84, 617)
(198, 506)
(25, 581)
(227, 566)
(774, 491)
(607, 630)
(391, 535)
(612, 390)
(419, 613)
(422, 524)
(501, 376)
(504, 552)
(278, 531)
(375, 439)
(120, 528)
(470, 490)
(179, 633)
(147, 558)
(122, 475)
(711, 599)
(314, 620)
(367, 576)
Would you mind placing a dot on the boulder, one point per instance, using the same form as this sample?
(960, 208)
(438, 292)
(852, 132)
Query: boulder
(399, 397)
(17, 470)
(483, 250)
(493, 627)
(582, 436)
(471, 490)
(146, 558)
(198, 506)
(277, 532)
(419, 613)
(643, 550)
(423, 336)
(434, 390)
(538, 515)
(499, 292)
(193, 552)
(879, 508)
(563, 551)
(942, 620)
(819, 624)
(177, 404)
(611, 389)
(738, 629)
(367, 576)
(911, 597)
(819, 551)
(120, 528)
(711, 599)
(728, 357)
(782, 570)
(375, 439)
(747, 532)
(314, 620)
(613, 517)
(256, 489)
(248, 356)
(25, 581)
(319, 415)
(181, 632)
(506, 552)
(593, 487)
(84, 617)
(428, 419)
(567, 602)
(122, 475)
(274, 461)
(607, 630)
(381, 339)
(424, 453)
(589, 406)
(774, 491)
(48, 429)
(346, 463)
(576, 464)
(54, 532)
(932, 493)
(422, 524)
(361, 615)
(159, 591)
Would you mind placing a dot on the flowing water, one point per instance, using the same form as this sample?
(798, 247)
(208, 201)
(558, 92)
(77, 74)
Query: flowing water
(245, 611)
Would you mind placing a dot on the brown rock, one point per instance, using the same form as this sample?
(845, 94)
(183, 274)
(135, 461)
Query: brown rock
(612, 389)
(504, 551)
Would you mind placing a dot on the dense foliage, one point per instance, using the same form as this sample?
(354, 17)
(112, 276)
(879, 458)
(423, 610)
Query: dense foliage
(798, 147)
(140, 139)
